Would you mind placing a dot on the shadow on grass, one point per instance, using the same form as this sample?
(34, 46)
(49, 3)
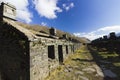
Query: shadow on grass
(85, 60)
(107, 62)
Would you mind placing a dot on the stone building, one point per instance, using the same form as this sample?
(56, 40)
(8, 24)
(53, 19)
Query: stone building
(26, 54)
(113, 36)
(105, 37)
(7, 10)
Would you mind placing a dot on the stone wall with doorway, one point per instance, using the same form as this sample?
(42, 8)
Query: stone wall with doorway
(45, 55)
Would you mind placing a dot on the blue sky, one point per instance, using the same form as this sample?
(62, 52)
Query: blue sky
(84, 18)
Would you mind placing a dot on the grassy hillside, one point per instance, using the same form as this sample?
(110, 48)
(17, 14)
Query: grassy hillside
(59, 33)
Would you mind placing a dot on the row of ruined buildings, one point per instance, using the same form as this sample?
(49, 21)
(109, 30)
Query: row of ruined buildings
(26, 54)
(110, 43)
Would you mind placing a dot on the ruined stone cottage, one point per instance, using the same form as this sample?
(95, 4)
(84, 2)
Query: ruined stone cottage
(28, 54)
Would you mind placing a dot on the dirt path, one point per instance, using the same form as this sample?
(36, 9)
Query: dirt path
(78, 66)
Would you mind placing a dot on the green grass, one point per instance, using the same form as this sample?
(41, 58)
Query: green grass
(81, 59)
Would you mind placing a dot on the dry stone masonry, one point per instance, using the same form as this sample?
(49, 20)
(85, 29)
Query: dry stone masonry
(26, 54)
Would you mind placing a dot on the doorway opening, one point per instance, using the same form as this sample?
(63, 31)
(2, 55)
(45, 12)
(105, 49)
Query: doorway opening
(60, 53)
(51, 52)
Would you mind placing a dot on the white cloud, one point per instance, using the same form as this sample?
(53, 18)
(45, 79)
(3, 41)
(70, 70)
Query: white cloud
(22, 11)
(68, 6)
(110, 29)
(47, 8)
(24, 15)
(71, 5)
(99, 32)
(43, 23)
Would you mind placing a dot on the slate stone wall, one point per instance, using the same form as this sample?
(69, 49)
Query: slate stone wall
(40, 64)
(14, 54)
(21, 59)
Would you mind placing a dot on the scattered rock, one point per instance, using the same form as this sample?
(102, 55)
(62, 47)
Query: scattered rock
(76, 67)
(68, 68)
(79, 73)
(83, 78)
(98, 70)
(89, 70)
